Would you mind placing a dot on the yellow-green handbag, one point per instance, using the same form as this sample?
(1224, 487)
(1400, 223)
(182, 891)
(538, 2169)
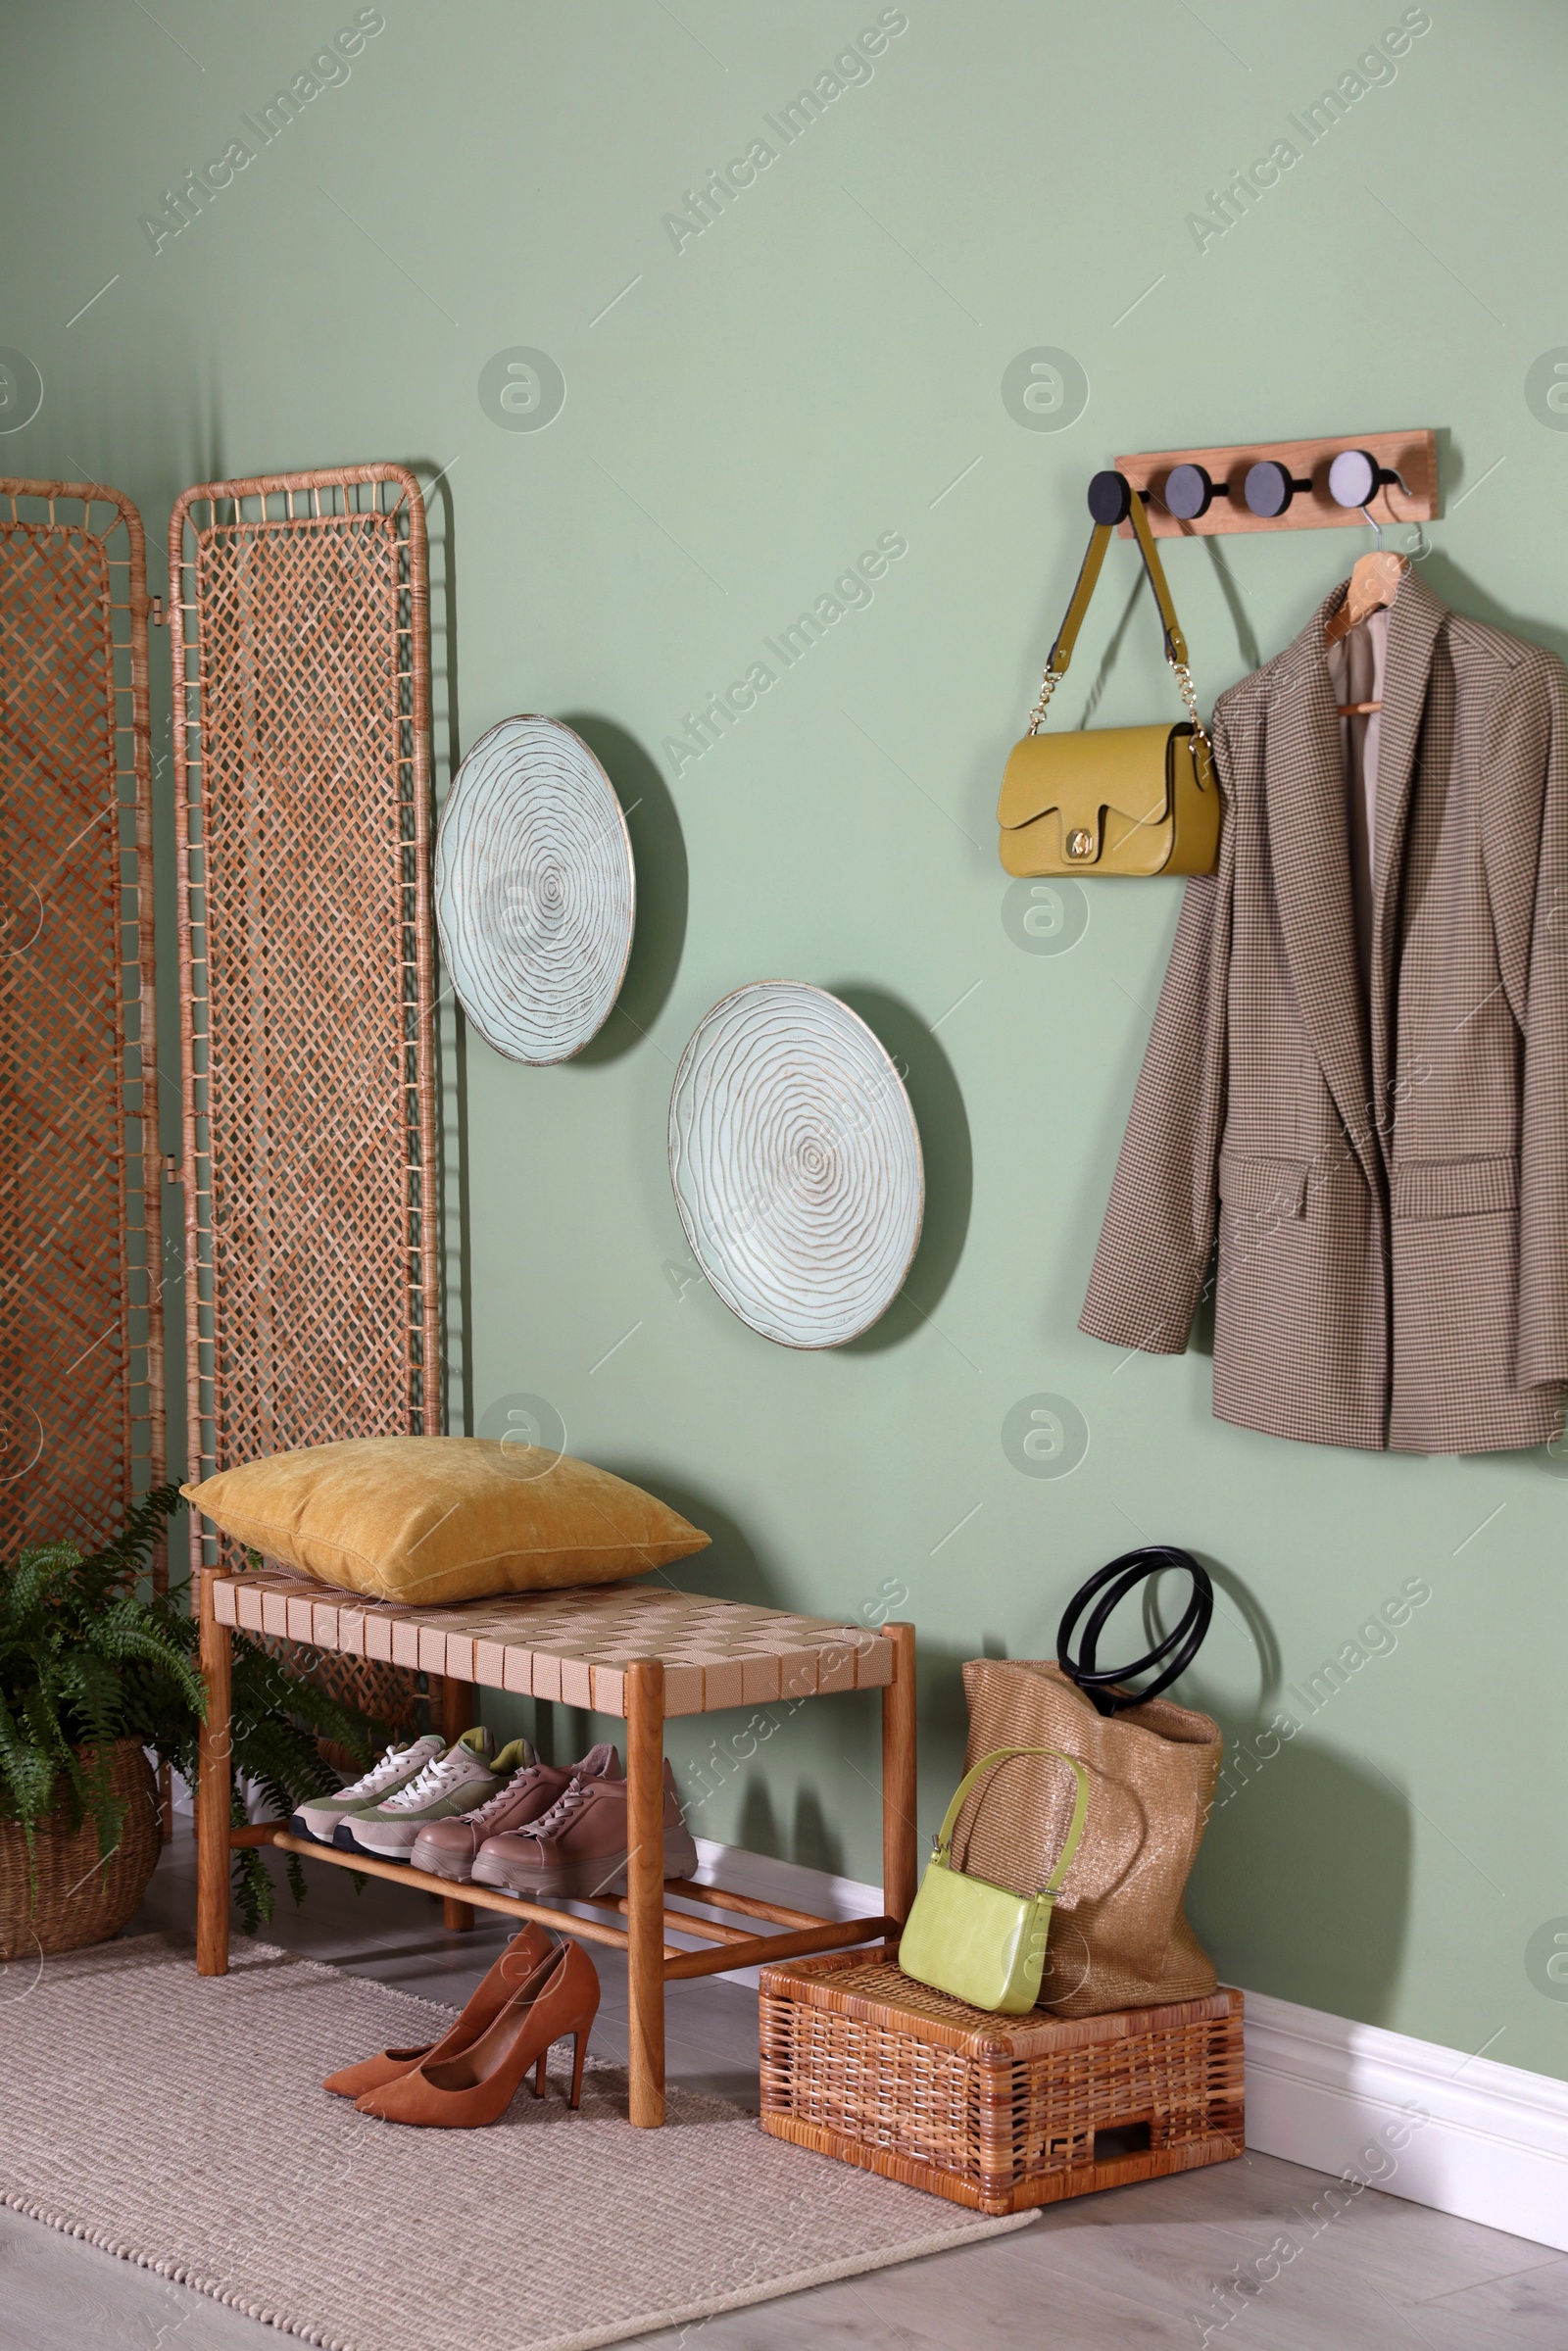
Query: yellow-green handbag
(982, 1942)
(1132, 800)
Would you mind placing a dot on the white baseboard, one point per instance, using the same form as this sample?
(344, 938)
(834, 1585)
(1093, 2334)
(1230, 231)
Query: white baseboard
(1461, 2134)
(1493, 2147)
(257, 1808)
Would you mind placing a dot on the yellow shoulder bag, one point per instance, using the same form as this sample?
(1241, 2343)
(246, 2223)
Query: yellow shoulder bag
(1121, 799)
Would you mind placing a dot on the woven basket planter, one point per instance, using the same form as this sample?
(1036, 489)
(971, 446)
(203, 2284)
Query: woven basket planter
(79, 1897)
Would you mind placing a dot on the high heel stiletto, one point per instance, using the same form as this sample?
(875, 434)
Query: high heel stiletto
(476, 2084)
(516, 1963)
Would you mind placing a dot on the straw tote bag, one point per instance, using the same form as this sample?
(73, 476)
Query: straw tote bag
(1119, 1936)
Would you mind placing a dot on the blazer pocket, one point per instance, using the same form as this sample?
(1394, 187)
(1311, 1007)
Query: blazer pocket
(1263, 1187)
(1456, 1187)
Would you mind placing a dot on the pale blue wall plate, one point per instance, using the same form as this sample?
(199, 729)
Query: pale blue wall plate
(535, 895)
(796, 1162)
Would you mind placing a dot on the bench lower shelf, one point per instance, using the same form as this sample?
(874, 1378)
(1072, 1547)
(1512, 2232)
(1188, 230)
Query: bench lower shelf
(736, 1949)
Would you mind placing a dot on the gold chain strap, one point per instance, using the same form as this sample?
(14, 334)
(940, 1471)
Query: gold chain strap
(1184, 680)
(1048, 686)
(1189, 694)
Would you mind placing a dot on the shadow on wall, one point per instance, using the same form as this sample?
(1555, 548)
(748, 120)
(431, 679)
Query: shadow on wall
(729, 1569)
(1289, 1814)
(1464, 593)
(944, 1146)
(440, 526)
(811, 1840)
(1163, 1602)
(658, 854)
(944, 1708)
(452, 1027)
(732, 1570)
(1247, 645)
(1309, 1820)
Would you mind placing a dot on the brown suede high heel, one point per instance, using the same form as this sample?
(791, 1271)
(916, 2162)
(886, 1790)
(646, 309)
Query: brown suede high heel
(478, 2083)
(516, 1963)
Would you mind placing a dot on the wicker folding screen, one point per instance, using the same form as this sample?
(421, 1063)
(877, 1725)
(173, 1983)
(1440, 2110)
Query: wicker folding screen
(299, 629)
(82, 1381)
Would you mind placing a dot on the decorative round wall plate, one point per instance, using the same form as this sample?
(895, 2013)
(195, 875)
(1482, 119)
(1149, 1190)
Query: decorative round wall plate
(535, 895)
(796, 1162)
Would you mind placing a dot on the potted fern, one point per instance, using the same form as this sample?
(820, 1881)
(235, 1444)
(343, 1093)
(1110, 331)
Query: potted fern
(95, 1668)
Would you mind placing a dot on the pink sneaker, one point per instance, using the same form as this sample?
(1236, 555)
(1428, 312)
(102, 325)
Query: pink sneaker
(448, 1848)
(579, 1845)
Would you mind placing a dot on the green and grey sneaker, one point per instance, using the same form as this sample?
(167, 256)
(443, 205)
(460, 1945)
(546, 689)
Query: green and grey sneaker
(398, 1766)
(467, 1775)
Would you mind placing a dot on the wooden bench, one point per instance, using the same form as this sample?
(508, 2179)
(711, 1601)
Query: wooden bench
(641, 1651)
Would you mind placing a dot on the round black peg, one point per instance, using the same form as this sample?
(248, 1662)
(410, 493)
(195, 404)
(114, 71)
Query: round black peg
(1190, 491)
(1352, 477)
(1355, 478)
(1270, 487)
(1110, 498)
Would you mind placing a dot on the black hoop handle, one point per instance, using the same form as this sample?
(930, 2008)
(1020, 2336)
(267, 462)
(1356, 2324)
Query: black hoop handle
(1181, 1646)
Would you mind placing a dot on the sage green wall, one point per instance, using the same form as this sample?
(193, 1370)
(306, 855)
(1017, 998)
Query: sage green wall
(744, 415)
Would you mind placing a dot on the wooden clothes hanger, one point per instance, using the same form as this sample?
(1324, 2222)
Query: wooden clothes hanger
(1374, 584)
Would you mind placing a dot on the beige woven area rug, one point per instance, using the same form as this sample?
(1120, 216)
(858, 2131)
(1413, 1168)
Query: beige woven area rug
(179, 2122)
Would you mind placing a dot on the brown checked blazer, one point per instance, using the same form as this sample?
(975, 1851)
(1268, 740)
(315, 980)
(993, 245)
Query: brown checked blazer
(1388, 1177)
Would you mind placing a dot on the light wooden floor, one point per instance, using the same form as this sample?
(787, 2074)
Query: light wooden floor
(1140, 2268)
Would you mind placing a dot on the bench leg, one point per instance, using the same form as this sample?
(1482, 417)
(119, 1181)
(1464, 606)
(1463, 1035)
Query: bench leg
(212, 1784)
(457, 1716)
(900, 1792)
(645, 1888)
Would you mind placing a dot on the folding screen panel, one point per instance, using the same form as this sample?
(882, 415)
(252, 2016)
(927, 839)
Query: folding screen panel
(82, 1381)
(299, 629)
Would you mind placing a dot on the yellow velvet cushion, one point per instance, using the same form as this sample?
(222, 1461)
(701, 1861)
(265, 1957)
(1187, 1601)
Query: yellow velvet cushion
(431, 1519)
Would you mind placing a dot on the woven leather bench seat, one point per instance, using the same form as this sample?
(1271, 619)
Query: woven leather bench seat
(575, 1646)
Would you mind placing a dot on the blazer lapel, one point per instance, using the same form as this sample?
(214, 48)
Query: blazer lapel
(1304, 788)
(1414, 620)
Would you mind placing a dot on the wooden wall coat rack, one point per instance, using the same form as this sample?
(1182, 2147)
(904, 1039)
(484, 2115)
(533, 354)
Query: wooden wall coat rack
(1289, 488)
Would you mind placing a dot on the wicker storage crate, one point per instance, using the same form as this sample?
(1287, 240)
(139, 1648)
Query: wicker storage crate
(1001, 2113)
